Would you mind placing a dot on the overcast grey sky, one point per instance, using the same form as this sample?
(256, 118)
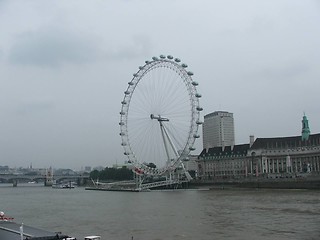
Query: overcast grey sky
(64, 66)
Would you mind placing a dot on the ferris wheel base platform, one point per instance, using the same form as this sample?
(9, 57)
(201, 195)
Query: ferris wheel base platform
(113, 189)
(146, 187)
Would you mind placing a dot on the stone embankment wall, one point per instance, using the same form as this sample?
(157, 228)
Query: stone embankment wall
(291, 183)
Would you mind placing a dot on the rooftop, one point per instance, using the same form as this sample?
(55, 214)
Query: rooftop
(236, 150)
(286, 142)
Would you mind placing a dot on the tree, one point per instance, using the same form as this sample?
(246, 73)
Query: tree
(94, 174)
(112, 174)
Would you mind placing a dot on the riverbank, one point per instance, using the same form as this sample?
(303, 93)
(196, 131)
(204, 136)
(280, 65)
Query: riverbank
(291, 183)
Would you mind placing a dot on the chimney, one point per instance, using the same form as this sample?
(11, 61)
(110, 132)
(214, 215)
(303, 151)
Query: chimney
(251, 140)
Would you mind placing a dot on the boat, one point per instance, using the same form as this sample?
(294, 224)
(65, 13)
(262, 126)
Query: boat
(68, 185)
(10, 230)
(92, 238)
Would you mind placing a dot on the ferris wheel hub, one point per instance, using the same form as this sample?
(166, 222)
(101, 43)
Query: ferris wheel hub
(159, 118)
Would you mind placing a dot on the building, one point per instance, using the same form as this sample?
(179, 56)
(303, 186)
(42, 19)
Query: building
(276, 157)
(227, 162)
(126, 164)
(191, 164)
(87, 169)
(218, 130)
(285, 156)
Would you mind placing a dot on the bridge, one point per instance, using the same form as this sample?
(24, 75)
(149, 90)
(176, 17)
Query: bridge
(15, 178)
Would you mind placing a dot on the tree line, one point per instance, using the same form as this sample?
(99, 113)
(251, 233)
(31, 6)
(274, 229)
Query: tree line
(118, 174)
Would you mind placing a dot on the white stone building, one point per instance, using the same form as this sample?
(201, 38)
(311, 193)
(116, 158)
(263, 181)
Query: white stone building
(276, 157)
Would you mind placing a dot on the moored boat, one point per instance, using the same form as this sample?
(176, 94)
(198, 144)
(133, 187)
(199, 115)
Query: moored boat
(64, 185)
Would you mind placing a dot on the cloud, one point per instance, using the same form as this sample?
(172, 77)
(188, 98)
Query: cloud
(138, 46)
(285, 72)
(1, 54)
(35, 108)
(52, 47)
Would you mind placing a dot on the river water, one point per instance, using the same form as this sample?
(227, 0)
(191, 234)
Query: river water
(172, 215)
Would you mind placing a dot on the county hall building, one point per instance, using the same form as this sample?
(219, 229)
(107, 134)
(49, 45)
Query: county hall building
(263, 157)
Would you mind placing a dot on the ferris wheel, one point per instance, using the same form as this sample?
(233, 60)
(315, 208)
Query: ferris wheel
(159, 117)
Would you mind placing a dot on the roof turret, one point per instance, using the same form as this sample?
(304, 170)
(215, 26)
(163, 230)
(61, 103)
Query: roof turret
(305, 129)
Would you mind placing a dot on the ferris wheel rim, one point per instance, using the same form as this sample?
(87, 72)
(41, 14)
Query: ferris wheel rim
(190, 84)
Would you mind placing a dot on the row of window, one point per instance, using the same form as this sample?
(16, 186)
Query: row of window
(275, 165)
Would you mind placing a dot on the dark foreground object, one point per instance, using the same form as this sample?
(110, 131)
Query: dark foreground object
(11, 231)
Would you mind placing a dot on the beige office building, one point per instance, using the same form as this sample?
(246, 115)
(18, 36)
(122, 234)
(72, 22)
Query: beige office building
(218, 130)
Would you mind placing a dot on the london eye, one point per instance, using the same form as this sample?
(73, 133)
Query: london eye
(159, 117)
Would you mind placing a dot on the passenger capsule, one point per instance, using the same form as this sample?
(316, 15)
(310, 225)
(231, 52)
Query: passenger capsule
(126, 153)
(192, 148)
(131, 83)
(196, 135)
(122, 113)
(147, 62)
(184, 65)
(199, 122)
(170, 57)
(122, 134)
(126, 92)
(195, 83)
(162, 56)
(121, 123)
(140, 67)
(123, 102)
(199, 108)
(190, 73)
(123, 144)
(198, 95)
(135, 74)
(177, 60)
(155, 59)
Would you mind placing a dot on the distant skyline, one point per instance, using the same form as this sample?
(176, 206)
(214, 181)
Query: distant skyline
(64, 66)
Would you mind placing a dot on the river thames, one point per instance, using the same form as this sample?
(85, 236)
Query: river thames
(173, 215)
